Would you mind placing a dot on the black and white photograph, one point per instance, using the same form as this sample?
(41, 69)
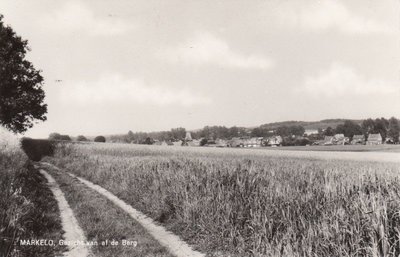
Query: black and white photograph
(200, 128)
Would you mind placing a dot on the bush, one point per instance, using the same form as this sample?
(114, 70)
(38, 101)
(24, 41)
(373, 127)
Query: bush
(81, 138)
(203, 141)
(100, 139)
(36, 149)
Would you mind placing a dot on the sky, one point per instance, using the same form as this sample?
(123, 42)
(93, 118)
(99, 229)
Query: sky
(151, 65)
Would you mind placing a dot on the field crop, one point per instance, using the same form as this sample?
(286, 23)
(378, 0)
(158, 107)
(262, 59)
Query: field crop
(252, 203)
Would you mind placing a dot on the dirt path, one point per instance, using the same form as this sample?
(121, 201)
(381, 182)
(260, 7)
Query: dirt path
(73, 232)
(172, 242)
(167, 239)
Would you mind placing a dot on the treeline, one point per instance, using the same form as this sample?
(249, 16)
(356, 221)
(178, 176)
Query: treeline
(388, 128)
(58, 137)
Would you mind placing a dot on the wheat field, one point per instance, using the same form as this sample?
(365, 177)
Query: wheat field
(234, 202)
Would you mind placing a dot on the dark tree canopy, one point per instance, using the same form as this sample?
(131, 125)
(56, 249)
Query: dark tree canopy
(100, 139)
(394, 129)
(349, 129)
(57, 136)
(81, 138)
(21, 93)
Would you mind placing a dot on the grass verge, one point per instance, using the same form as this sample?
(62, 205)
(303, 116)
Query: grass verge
(28, 210)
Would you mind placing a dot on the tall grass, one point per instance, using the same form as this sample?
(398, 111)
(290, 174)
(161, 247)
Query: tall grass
(248, 203)
(27, 208)
(13, 206)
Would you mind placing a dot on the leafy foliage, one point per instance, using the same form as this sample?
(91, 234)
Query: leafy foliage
(36, 149)
(100, 139)
(21, 94)
(81, 138)
(57, 136)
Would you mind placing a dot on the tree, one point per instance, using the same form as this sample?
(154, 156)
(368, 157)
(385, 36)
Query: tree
(57, 136)
(100, 139)
(130, 136)
(203, 141)
(81, 138)
(178, 133)
(368, 126)
(329, 131)
(381, 126)
(148, 141)
(21, 93)
(394, 129)
(54, 136)
(349, 129)
(65, 138)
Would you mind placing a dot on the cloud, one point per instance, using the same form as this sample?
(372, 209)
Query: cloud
(76, 17)
(115, 89)
(329, 14)
(206, 49)
(341, 80)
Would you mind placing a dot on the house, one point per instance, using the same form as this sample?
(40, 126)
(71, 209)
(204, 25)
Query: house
(191, 143)
(253, 142)
(167, 143)
(358, 140)
(235, 142)
(177, 143)
(274, 140)
(328, 140)
(340, 139)
(221, 143)
(196, 142)
(309, 132)
(374, 139)
(156, 142)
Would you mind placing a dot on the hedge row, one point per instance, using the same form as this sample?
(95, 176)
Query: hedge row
(36, 149)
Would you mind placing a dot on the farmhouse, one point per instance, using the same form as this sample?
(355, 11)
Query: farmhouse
(340, 139)
(235, 142)
(253, 142)
(328, 140)
(156, 142)
(221, 143)
(358, 140)
(274, 140)
(374, 139)
(167, 143)
(177, 143)
(309, 132)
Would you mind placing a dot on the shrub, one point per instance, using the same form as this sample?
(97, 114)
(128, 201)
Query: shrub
(81, 138)
(36, 149)
(100, 139)
(203, 141)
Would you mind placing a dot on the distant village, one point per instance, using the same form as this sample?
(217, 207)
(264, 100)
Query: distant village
(275, 141)
(366, 132)
(291, 133)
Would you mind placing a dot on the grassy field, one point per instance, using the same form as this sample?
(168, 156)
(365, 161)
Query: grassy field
(257, 203)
